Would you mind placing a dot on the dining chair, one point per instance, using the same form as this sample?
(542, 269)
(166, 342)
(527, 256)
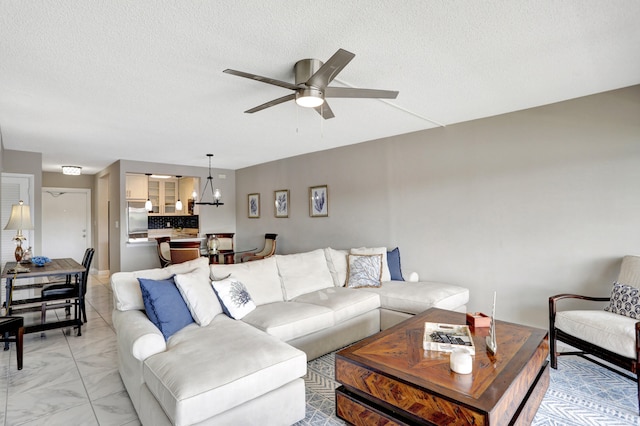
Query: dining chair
(226, 251)
(13, 326)
(182, 251)
(66, 294)
(268, 250)
(164, 251)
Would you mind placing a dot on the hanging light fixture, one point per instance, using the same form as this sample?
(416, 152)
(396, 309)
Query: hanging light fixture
(178, 203)
(216, 195)
(147, 204)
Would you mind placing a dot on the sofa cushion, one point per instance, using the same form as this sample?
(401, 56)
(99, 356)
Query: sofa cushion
(605, 329)
(198, 378)
(417, 297)
(393, 261)
(303, 273)
(365, 270)
(164, 305)
(337, 262)
(290, 320)
(386, 275)
(236, 300)
(345, 303)
(126, 289)
(195, 288)
(259, 276)
(625, 300)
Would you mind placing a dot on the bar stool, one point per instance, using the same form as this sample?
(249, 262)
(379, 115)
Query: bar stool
(13, 326)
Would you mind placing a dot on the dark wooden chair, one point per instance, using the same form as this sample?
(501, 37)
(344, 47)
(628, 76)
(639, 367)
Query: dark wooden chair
(225, 250)
(13, 326)
(182, 251)
(67, 294)
(268, 250)
(598, 334)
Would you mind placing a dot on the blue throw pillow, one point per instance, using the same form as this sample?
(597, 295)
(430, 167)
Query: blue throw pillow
(393, 260)
(164, 305)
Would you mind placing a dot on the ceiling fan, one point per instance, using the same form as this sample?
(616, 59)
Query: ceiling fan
(312, 84)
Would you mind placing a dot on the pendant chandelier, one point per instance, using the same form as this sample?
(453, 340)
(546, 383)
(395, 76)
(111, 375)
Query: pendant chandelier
(215, 194)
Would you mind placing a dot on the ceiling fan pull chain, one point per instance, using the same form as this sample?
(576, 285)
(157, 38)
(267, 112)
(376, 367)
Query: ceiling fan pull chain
(321, 121)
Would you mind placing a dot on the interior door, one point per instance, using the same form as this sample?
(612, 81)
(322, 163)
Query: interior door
(66, 214)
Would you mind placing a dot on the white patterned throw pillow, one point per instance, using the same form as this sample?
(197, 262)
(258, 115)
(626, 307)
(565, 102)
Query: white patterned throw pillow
(625, 300)
(235, 298)
(365, 270)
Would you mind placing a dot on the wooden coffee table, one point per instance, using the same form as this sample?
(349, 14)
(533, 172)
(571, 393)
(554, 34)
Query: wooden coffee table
(388, 379)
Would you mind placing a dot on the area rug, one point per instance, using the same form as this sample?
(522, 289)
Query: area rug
(580, 393)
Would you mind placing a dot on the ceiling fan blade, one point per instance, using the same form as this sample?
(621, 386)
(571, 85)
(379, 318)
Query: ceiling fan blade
(272, 103)
(348, 92)
(325, 111)
(262, 79)
(330, 69)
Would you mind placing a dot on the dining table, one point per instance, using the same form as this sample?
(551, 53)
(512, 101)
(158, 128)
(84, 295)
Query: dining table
(13, 272)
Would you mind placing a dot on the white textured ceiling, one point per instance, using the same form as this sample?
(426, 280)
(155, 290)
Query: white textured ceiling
(88, 82)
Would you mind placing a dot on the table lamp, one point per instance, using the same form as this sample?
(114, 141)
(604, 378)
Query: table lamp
(20, 219)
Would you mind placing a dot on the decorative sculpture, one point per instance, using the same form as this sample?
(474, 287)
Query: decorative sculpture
(492, 345)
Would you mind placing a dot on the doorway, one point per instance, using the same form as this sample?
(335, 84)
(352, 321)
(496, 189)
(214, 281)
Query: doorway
(66, 222)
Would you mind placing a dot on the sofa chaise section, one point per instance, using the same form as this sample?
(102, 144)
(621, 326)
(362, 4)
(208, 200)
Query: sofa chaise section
(248, 365)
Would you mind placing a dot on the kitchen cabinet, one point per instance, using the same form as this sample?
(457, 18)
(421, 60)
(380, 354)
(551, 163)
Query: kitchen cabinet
(136, 187)
(163, 194)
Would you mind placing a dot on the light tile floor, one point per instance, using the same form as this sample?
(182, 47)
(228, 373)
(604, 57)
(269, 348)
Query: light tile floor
(68, 379)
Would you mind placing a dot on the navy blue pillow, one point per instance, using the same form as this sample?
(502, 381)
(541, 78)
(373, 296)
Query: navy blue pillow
(393, 260)
(164, 305)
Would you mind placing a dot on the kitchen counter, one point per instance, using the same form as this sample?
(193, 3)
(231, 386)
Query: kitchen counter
(183, 234)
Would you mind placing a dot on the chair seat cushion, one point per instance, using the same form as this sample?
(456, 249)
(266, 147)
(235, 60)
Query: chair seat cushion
(613, 332)
(59, 291)
(10, 323)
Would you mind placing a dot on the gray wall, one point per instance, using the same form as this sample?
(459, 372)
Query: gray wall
(29, 163)
(529, 204)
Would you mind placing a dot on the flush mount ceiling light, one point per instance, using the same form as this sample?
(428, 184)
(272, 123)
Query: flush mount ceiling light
(71, 170)
(215, 194)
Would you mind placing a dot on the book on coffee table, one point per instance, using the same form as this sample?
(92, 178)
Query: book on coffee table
(447, 337)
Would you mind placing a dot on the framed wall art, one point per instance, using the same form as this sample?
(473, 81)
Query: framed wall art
(318, 201)
(281, 201)
(254, 206)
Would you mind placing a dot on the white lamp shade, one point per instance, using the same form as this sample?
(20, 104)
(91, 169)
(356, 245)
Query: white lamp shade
(147, 205)
(20, 217)
(178, 205)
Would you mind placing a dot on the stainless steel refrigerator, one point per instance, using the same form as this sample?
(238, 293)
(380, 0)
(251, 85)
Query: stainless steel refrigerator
(137, 220)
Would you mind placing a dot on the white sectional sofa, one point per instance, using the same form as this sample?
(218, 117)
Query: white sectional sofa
(219, 370)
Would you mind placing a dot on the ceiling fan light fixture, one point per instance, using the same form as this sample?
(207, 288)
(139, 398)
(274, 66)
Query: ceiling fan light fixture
(309, 98)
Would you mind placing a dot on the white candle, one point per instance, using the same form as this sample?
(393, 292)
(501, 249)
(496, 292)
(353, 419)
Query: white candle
(461, 361)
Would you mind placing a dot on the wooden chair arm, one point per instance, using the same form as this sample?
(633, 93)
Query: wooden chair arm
(553, 300)
(578, 296)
